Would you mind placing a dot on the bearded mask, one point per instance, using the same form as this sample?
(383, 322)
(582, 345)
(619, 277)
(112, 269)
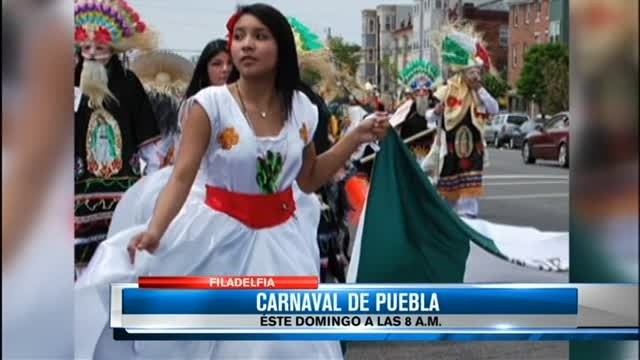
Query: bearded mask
(94, 82)
(422, 104)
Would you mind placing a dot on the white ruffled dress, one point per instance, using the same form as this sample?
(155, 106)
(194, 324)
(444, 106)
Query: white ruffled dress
(203, 241)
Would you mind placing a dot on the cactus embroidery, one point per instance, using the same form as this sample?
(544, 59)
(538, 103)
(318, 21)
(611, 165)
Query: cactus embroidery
(269, 170)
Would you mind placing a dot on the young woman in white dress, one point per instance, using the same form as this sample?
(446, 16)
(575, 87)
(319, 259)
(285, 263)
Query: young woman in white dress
(255, 137)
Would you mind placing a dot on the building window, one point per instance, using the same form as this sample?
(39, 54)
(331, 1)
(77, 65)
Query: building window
(554, 31)
(438, 4)
(504, 36)
(524, 49)
(538, 10)
(372, 26)
(387, 23)
(515, 16)
(536, 37)
(527, 13)
(514, 61)
(370, 55)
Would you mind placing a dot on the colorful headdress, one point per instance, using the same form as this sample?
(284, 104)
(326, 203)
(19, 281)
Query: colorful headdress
(306, 40)
(461, 47)
(420, 74)
(313, 56)
(163, 72)
(113, 23)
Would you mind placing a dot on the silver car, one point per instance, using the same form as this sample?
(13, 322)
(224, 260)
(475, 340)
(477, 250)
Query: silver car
(503, 127)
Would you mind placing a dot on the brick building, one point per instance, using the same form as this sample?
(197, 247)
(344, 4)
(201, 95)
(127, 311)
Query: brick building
(493, 23)
(528, 25)
(403, 38)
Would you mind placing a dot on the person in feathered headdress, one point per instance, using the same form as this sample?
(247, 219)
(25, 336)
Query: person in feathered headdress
(317, 75)
(318, 82)
(115, 125)
(165, 76)
(420, 78)
(456, 160)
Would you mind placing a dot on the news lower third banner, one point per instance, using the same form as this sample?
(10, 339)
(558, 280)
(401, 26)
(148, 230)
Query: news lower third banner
(298, 308)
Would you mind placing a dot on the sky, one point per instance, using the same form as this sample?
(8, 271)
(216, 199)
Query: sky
(185, 26)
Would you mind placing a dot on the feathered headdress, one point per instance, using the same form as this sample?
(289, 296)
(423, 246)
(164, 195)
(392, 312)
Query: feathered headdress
(306, 40)
(163, 72)
(420, 74)
(314, 56)
(462, 47)
(113, 23)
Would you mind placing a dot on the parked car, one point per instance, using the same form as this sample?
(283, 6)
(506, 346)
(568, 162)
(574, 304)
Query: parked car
(549, 141)
(501, 128)
(522, 131)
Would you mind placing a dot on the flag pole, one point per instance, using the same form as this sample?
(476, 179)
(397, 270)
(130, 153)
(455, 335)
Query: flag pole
(368, 158)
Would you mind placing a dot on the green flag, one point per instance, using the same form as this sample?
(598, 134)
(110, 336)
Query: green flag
(407, 232)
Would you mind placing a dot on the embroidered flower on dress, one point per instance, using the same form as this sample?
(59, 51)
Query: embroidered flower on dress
(228, 138)
(304, 133)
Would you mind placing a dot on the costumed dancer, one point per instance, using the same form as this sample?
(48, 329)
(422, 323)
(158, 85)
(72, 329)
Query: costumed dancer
(332, 232)
(420, 77)
(165, 76)
(115, 126)
(456, 160)
(255, 136)
(136, 205)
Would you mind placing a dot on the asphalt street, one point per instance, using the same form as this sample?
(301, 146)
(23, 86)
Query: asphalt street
(515, 194)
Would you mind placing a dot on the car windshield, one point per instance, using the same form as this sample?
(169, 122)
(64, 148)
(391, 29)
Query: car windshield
(517, 120)
(528, 126)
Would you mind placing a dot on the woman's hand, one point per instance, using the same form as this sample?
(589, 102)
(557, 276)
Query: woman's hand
(374, 127)
(148, 240)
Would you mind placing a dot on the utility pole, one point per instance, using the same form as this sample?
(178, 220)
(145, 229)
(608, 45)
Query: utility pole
(421, 29)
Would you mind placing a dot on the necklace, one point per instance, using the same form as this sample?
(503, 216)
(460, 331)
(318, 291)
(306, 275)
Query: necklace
(263, 114)
(270, 161)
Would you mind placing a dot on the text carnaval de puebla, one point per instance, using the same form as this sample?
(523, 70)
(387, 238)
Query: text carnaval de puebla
(388, 302)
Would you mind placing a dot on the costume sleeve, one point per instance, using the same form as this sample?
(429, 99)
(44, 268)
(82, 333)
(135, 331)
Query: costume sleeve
(207, 99)
(153, 155)
(433, 119)
(490, 104)
(145, 125)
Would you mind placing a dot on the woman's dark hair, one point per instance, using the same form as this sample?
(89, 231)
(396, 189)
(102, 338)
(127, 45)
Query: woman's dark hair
(287, 71)
(78, 68)
(321, 135)
(200, 77)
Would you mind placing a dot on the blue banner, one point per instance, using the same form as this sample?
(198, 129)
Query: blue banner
(353, 300)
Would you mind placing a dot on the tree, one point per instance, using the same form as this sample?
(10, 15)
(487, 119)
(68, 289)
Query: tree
(532, 84)
(346, 55)
(556, 75)
(495, 86)
(390, 72)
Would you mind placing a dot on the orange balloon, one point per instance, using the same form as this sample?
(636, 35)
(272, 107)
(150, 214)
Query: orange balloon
(357, 188)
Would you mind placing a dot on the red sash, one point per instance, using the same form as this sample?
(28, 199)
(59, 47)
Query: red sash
(256, 211)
